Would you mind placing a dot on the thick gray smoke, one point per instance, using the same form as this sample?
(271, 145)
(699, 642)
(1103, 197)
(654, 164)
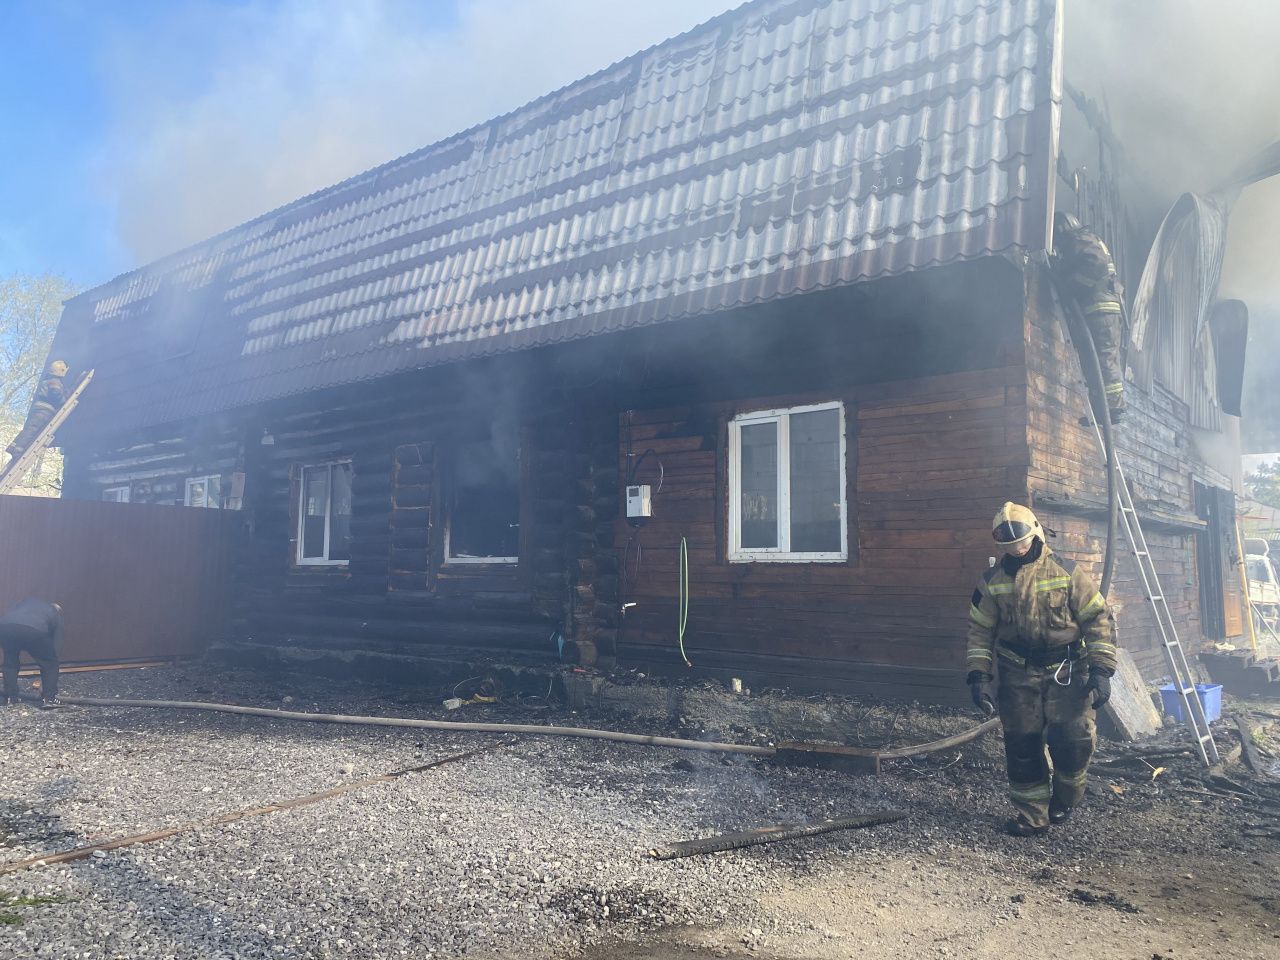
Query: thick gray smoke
(302, 94)
(1193, 90)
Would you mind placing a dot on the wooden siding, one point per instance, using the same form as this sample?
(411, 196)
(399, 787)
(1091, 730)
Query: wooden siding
(929, 462)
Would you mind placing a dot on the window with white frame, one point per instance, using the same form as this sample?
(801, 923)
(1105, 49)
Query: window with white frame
(787, 485)
(483, 516)
(116, 495)
(324, 514)
(204, 492)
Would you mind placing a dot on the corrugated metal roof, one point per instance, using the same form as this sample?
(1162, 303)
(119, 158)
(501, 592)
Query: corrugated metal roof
(1174, 302)
(786, 146)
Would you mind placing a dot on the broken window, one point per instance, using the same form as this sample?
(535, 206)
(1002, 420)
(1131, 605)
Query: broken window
(786, 485)
(483, 523)
(324, 514)
(204, 492)
(115, 495)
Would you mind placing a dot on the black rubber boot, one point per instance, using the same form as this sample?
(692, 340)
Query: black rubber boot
(1058, 814)
(1017, 827)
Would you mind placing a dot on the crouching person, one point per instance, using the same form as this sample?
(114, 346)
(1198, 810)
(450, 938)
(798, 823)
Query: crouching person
(33, 626)
(1043, 621)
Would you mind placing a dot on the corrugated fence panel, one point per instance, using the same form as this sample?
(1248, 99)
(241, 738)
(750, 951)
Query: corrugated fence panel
(135, 581)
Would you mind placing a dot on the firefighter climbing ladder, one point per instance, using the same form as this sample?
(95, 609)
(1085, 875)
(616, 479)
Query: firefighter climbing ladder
(1174, 655)
(21, 465)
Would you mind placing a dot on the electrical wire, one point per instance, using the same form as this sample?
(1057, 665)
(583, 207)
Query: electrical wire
(683, 602)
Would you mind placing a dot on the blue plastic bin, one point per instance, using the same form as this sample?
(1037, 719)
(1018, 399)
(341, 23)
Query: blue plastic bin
(1210, 695)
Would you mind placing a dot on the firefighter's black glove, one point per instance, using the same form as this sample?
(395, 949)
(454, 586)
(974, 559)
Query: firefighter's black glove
(1100, 686)
(980, 690)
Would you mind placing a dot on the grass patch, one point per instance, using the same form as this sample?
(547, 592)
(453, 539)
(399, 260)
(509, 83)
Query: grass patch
(8, 902)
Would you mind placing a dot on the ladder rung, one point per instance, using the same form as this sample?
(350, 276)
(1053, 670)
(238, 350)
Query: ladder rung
(1141, 553)
(1156, 596)
(1127, 509)
(1207, 738)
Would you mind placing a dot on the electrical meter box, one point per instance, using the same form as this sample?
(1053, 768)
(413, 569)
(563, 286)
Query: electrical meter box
(638, 502)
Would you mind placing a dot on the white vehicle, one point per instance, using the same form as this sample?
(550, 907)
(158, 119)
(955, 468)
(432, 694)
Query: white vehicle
(1264, 586)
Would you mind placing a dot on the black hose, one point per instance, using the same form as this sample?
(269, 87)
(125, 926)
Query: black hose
(1102, 413)
(1082, 337)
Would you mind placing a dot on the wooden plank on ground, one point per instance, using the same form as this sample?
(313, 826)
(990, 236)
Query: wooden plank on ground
(1130, 708)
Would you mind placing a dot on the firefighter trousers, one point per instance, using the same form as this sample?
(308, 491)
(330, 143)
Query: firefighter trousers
(39, 416)
(1041, 712)
(1105, 326)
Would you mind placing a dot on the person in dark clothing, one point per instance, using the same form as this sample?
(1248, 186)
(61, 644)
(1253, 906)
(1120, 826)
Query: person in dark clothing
(36, 627)
(1087, 274)
(50, 395)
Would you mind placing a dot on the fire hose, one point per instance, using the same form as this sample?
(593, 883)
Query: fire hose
(451, 726)
(1091, 366)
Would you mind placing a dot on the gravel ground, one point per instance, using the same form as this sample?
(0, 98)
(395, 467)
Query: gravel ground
(536, 849)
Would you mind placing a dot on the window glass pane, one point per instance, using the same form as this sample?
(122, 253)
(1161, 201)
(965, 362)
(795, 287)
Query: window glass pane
(340, 513)
(213, 492)
(759, 485)
(485, 516)
(195, 493)
(815, 482)
(315, 502)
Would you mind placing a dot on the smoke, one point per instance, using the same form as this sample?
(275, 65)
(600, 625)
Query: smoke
(287, 99)
(1193, 88)
(1193, 91)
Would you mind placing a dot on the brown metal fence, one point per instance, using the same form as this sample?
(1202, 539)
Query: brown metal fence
(135, 581)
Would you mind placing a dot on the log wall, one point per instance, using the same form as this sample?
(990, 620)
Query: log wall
(930, 368)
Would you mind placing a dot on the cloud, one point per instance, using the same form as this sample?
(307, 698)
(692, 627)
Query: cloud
(222, 113)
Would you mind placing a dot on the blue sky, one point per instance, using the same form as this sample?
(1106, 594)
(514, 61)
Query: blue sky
(51, 218)
(135, 127)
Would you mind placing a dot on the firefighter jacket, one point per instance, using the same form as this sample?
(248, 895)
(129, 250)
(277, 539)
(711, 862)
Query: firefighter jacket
(1088, 274)
(49, 393)
(1035, 610)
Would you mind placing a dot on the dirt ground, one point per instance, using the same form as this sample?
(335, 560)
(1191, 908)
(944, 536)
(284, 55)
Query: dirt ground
(537, 849)
(967, 907)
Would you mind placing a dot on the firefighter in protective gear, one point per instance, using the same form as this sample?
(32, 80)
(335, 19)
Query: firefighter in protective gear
(1086, 273)
(50, 396)
(1040, 618)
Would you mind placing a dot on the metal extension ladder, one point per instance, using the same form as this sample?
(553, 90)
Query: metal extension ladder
(21, 465)
(1174, 655)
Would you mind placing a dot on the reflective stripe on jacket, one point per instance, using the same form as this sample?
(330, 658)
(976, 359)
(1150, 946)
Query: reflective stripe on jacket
(1042, 606)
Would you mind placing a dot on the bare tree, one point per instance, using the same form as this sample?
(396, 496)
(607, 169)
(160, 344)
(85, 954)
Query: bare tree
(29, 310)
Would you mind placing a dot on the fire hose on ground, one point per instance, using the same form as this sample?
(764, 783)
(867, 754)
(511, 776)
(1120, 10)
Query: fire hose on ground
(530, 729)
(688, 848)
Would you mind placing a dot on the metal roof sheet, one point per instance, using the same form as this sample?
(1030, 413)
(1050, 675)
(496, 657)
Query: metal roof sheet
(783, 147)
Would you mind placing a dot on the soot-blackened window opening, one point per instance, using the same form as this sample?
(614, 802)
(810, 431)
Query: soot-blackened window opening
(483, 504)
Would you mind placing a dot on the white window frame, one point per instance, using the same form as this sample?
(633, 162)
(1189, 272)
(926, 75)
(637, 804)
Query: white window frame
(324, 561)
(782, 553)
(450, 559)
(116, 494)
(186, 499)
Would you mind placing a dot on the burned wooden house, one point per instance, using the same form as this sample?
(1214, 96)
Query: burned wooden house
(718, 361)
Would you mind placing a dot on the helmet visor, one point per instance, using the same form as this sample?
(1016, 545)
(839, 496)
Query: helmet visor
(1011, 531)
